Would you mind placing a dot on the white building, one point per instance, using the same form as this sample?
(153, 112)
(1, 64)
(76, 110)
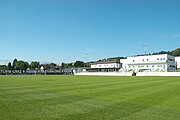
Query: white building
(106, 66)
(177, 59)
(162, 62)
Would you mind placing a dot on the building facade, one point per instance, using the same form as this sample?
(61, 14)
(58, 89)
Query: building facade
(149, 63)
(106, 66)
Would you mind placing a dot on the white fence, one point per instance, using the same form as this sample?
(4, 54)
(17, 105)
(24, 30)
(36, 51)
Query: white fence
(105, 73)
(158, 74)
(130, 73)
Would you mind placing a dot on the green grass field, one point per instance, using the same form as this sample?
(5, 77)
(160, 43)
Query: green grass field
(89, 98)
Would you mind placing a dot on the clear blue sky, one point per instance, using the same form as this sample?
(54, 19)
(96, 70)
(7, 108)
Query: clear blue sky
(69, 30)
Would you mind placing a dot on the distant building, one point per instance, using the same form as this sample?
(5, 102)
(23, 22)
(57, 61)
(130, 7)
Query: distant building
(177, 59)
(106, 66)
(42, 68)
(124, 63)
(150, 63)
(73, 70)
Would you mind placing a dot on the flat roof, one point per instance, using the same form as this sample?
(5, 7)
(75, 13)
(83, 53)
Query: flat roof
(105, 62)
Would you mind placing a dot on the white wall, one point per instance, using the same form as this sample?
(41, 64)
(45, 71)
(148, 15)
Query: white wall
(105, 73)
(148, 59)
(124, 63)
(158, 74)
(177, 59)
(130, 73)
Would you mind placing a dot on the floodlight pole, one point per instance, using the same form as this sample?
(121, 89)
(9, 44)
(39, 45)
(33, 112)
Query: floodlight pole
(145, 48)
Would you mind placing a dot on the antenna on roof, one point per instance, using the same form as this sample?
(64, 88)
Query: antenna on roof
(145, 48)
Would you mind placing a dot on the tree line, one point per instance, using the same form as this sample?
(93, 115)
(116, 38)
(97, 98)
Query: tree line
(35, 65)
(21, 65)
(175, 52)
(77, 64)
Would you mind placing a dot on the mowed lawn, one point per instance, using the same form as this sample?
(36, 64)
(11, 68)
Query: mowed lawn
(89, 98)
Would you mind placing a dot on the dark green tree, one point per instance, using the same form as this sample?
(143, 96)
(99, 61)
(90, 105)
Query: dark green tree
(9, 67)
(35, 65)
(26, 65)
(52, 66)
(14, 64)
(3, 67)
(62, 65)
(79, 64)
(176, 52)
(162, 52)
(21, 65)
(68, 65)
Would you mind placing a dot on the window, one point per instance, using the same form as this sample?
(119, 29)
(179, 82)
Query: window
(147, 66)
(170, 59)
(164, 66)
(152, 65)
(147, 59)
(157, 58)
(161, 59)
(133, 60)
(159, 66)
(172, 66)
(143, 59)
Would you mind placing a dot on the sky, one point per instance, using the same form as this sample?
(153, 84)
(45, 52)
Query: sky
(69, 30)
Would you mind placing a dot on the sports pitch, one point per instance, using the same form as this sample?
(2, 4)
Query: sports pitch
(89, 98)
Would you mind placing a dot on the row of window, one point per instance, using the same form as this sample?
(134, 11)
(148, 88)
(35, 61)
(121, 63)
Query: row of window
(161, 59)
(148, 59)
(141, 66)
(106, 65)
(142, 60)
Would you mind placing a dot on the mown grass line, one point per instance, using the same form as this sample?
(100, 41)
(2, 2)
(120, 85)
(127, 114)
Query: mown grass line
(89, 98)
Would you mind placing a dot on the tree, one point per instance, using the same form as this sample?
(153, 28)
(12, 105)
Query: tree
(52, 66)
(68, 65)
(87, 64)
(14, 64)
(162, 52)
(21, 65)
(35, 65)
(62, 65)
(176, 52)
(79, 64)
(9, 67)
(3, 67)
(26, 65)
